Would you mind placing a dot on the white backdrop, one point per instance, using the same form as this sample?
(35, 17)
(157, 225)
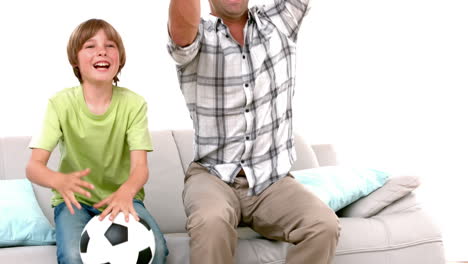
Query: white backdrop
(383, 80)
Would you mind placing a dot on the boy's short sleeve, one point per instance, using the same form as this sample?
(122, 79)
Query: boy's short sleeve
(184, 55)
(50, 133)
(138, 136)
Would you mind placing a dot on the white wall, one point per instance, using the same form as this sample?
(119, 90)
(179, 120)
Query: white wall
(384, 80)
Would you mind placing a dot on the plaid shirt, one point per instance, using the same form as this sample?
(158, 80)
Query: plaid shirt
(239, 97)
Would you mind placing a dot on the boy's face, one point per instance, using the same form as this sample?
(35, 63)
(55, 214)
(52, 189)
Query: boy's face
(98, 59)
(229, 9)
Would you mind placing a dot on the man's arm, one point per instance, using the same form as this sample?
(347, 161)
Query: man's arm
(288, 15)
(184, 18)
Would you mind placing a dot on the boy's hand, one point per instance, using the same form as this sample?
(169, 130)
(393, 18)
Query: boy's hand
(120, 201)
(72, 183)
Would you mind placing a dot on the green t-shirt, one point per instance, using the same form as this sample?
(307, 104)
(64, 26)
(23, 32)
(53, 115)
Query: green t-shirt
(99, 142)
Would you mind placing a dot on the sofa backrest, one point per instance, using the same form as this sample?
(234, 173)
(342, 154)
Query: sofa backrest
(173, 151)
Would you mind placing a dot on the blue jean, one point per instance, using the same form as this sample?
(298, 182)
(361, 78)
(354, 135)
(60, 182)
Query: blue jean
(68, 230)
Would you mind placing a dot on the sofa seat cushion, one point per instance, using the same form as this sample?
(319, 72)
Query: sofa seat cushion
(29, 255)
(393, 238)
(396, 238)
(249, 251)
(404, 238)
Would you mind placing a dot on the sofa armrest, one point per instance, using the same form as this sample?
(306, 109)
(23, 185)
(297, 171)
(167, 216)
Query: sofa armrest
(393, 190)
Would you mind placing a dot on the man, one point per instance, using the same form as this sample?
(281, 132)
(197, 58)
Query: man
(236, 70)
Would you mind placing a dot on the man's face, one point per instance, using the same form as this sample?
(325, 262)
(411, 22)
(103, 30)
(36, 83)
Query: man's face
(230, 9)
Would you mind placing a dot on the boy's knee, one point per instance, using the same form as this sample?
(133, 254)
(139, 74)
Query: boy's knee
(160, 245)
(161, 249)
(71, 256)
(161, 252)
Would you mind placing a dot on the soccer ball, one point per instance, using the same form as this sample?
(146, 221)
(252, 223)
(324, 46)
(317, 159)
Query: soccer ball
(117, 242)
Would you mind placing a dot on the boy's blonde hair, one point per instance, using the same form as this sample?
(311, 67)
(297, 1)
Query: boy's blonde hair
(84, 32)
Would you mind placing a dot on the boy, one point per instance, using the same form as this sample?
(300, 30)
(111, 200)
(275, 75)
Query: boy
(103, 137)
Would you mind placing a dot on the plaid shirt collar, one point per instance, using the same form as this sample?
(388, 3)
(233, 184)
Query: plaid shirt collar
(265, 25)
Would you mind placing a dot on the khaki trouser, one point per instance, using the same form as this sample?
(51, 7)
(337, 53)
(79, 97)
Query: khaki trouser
(285, 211)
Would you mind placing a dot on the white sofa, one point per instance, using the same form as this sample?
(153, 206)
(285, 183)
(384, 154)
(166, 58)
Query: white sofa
(398, 232)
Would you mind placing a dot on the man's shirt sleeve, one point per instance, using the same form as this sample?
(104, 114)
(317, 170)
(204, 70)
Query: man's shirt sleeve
(184, 55)
(288, 15)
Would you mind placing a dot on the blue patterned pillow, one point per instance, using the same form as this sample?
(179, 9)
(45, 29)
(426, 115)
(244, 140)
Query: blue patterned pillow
(22, 221)
(339, 186)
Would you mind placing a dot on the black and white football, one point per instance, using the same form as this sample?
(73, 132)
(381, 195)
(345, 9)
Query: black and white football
(117, 242)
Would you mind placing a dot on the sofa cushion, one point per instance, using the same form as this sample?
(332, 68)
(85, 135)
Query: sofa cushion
(2, 170)
(408, 203)
(306, 157)
(339, 186)
(15, 154)
(326, 154)
(404, 238)
(401, 238)
(23, 222)
(395, 189)
(184, 141)
(248, 251)
(407, 238)
(29, 255)
(166, 182)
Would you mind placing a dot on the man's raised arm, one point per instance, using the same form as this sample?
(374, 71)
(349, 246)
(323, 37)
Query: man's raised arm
(184, 18)
(288, 15)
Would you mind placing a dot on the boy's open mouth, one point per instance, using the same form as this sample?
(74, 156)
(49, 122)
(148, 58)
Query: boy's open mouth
(101, 65)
